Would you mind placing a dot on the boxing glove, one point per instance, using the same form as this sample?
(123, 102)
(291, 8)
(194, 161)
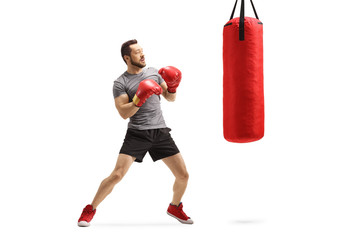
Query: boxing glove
(146, 88)
(172, 77)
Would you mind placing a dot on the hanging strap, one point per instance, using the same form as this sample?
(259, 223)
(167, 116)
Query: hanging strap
(242, 18)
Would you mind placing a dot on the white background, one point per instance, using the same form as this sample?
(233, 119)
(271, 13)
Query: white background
(60, 132)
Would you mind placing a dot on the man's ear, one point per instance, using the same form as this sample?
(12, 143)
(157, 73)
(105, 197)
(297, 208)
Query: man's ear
(127, 58)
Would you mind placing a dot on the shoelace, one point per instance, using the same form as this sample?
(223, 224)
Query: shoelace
(86, 212)
(181, 211)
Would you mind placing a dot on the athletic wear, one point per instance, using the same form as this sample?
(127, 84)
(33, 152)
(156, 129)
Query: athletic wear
(149, 116)
(86, 216)
(178, 213)
(158, 142)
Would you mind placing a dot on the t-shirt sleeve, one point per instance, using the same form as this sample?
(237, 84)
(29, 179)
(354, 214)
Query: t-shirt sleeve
(118, 88)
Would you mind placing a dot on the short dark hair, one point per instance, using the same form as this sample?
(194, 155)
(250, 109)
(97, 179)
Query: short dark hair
(125, 48)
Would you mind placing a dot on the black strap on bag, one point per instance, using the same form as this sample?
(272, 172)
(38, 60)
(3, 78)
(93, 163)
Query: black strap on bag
(242, 18)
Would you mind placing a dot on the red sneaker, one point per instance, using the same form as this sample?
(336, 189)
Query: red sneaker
(178, 213)
(86, 216)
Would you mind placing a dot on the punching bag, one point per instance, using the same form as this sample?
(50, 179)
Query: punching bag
(243, 91)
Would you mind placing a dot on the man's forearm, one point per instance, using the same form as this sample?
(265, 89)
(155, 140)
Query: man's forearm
(128, 110)
(170, 96)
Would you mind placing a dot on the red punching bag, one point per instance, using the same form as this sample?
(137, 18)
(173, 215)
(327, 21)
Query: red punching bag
(243, 91)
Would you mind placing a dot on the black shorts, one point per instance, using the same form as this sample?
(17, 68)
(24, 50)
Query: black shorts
(158, 142)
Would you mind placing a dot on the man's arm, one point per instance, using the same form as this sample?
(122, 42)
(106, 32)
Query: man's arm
(168, 96)
(125, 108)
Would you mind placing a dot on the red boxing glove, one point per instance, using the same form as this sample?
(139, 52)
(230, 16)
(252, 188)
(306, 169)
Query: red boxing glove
(172, 77)
(146, 88)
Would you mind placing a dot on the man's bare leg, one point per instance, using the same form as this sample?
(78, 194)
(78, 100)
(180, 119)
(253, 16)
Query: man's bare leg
(122, 166)
(177, 166)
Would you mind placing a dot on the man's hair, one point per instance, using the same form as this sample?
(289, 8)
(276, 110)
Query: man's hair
(125, 48)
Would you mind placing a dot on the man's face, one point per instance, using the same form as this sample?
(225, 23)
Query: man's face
(137, 57)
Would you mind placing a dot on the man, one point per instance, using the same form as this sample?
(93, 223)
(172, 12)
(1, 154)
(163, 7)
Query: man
(136, 94)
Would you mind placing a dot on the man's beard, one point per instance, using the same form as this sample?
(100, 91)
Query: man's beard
(137, 64)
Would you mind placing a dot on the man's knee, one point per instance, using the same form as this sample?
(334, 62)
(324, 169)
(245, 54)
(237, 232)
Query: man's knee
(183, 176)
(117, 175)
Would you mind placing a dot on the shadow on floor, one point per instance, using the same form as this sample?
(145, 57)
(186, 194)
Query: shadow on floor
(247, 221)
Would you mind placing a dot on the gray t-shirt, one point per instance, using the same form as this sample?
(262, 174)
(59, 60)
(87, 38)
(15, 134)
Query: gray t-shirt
(149, 116)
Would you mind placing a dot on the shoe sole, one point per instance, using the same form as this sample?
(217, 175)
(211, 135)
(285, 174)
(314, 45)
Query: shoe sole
(189, 221)
(83, 224)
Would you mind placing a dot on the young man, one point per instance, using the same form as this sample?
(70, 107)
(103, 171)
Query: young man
(136, 94)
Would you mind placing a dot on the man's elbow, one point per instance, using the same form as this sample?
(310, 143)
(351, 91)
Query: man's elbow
(171, 98)
(123, 115)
